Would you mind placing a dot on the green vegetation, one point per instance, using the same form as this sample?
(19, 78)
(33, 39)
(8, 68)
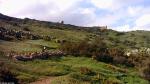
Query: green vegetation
(76, 69)
(92, 56)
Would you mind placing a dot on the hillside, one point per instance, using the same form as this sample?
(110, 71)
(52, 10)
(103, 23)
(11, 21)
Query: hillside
(133, 39)
(30, 36)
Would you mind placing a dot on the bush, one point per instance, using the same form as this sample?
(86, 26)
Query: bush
(146, 72)
(6, 75)
(113, 81)
(26, 29)
(104, 58)
(110, 55)
(76, 49)
(84, 48)
(86, 71)
(47, 38)
(96, 49)
(119, 60)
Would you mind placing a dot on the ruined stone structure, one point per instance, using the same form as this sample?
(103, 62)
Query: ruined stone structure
(8, 34)
(103, 28)
(35, 55)
(138, 51)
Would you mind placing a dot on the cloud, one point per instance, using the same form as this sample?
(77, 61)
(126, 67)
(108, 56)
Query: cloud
(50, 10)
(123, 28)
(118, 14)
(80, 16)
(113, 5)
(11, 6)
(134, 10)
(141, 23)
(104, 4)
(143, 20)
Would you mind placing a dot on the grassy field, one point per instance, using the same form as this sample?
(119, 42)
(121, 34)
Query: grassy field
(26, 46)
(68, 70)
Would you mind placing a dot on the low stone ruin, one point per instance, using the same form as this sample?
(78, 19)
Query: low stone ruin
(8, 34)
(35, 55)
(141, 51)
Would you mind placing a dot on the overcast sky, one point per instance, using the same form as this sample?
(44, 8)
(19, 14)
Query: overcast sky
(121, 15)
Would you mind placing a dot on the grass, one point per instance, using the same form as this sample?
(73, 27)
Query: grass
(60, 34)
(27, 46)
(63, 31)
(69, 70)
(67, 80)
(65, 67)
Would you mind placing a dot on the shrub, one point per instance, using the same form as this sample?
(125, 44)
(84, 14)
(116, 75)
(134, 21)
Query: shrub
(96, 49)
(26, 29)
(47, 38)
(84, 48)
(113, 81)
(86, 71)
(120, 33)
(119, 60)
(80, 76)
(6, 75)
(76, 49)
(146, 72)
(110, 55)
(104, 58)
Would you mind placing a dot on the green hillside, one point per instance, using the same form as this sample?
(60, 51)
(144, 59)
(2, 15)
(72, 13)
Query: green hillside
(78, 66)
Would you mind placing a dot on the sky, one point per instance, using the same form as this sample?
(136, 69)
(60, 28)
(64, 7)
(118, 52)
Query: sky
(121, 15)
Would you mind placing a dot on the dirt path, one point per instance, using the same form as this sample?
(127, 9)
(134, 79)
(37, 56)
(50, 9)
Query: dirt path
(44, 81)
